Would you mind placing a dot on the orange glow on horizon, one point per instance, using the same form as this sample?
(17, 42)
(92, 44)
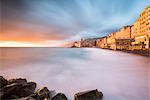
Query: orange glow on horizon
(11, 31)
(30, 44)
(17, 44)
(12, 34)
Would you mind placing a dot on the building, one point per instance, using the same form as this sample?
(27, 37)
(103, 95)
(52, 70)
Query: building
(89, 42)
(124, 33)
(134, 37)
(111, 40)
(123, 44)
(102, 42)
(77, 44)
(122, 39)
(141, 31)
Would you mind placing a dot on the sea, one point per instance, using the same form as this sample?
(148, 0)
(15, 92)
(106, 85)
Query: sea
(119, 75)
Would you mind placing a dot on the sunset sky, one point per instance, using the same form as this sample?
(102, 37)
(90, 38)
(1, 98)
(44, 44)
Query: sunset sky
(53, 22)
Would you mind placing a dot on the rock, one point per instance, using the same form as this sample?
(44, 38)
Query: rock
(29, 98)
(12, 91)
(19, 80)
(1, 94)
(89, 95)
(28, 89)
(31, 86)
(3, 82)
(59, 96)
(43, 94)
(35, 96)
(18, 90)
(24, 98)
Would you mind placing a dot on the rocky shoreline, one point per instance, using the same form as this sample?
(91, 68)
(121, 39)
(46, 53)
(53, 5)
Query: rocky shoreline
(21, 89)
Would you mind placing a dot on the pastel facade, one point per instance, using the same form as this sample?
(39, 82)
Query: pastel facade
(123, 38)
(111, 40)
(124, 33)
(89, 42)
(135, 37)
(77, 44)
(102, 43)
(141, 30)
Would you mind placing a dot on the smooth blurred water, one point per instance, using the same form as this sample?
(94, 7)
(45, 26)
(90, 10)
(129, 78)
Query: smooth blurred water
(119, 75)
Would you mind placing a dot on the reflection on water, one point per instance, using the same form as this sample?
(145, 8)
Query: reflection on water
(121, 76)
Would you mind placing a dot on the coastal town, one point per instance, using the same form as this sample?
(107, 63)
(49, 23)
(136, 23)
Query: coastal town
(129, 38)
(75, 50)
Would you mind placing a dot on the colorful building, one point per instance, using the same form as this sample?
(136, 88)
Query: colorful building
(102, 42)
(77, 44)
(124, 33)
(123, 44)
(89, 42)
(111, 40)
(141, 31)
(123, 38)
(134, 37)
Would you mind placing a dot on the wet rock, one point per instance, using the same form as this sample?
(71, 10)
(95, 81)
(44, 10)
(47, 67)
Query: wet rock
(34, 96)
(30, 98)
(20, 89)
(12, 91)
(3, 82)
(28, 89)
(89, 95)
(24, 98)
(1, 94)
(19, 80)
(43, 94)
(17, 90)
(59, 96)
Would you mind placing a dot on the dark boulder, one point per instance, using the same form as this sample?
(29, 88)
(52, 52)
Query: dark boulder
(30, 98)
(27, 89)
(59, 96)
(24, 98)
(1, 93)
(19, 80)
(34, 96)
(18, 90)
(42, 94)
(12, 91)
(3, 82)
(89, 95)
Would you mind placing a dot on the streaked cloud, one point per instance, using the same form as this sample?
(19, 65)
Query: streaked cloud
(65, 20)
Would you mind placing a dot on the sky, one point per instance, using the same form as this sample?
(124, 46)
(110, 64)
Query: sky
(53, 22)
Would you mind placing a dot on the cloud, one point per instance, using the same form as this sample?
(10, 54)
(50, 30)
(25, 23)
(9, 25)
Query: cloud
(68, 19)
